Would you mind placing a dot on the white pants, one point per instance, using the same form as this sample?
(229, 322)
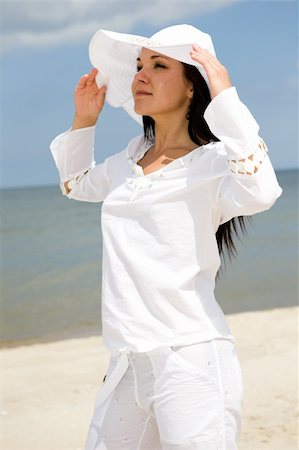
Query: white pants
(187, 397)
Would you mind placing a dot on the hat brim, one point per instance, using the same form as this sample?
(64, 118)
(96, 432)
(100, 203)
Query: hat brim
(114, 55)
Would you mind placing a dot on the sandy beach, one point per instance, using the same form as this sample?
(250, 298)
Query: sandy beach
(48, 389)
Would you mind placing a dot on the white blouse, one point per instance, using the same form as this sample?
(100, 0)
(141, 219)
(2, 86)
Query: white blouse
(160, 254)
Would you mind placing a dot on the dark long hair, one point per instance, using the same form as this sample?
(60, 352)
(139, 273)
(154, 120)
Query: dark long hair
(200, 133)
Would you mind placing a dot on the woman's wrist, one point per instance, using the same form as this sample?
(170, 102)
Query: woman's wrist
(83, 122)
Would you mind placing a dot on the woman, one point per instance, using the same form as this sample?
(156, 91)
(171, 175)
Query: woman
(171, 202)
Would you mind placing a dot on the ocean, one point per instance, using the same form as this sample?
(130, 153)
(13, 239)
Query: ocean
(51, 249)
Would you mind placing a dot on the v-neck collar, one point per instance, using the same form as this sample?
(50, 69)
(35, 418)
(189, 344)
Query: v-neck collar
(175, 164)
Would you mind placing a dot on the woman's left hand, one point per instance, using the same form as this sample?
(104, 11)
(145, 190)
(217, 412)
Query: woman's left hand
(217, 74)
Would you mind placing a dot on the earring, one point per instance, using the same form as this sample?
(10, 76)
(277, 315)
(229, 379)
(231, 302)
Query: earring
(189, 109)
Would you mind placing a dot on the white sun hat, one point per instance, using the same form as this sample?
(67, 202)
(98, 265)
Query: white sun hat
(114, 55)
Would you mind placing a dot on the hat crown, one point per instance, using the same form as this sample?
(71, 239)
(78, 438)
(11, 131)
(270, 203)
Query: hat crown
(182, 34)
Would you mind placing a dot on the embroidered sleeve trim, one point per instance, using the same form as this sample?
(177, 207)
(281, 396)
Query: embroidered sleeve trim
(67, 186)
(252, 163)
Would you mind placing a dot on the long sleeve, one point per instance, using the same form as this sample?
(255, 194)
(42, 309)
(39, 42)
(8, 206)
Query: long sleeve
(73, 153)
(249, 184)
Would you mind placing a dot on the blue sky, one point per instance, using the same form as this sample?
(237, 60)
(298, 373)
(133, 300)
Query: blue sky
(44, 51)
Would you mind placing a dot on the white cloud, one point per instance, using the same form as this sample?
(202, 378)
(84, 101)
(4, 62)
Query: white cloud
(47, 23)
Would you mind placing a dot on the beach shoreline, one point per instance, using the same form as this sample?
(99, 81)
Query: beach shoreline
(48, 388)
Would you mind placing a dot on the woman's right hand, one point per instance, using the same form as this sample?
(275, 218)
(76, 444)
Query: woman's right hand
(89, 101)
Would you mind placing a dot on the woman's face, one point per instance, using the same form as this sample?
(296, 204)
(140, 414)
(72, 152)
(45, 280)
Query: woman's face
(159, 86)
